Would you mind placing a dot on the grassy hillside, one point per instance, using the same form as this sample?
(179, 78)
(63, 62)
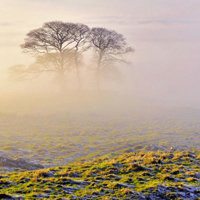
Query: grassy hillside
(142, 175)
(52, 140)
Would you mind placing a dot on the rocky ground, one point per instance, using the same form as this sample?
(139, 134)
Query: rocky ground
(7, 164)
(143, 175)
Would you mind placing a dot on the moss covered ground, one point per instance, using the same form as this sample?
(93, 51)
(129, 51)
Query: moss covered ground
(128, 175)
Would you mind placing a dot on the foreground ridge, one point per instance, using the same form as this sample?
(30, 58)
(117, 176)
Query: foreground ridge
(142, 175)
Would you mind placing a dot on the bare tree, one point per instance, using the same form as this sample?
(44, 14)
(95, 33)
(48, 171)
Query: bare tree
(81, 35)
(58, 47)
(55, 41)
(109, 47)
(50, 62)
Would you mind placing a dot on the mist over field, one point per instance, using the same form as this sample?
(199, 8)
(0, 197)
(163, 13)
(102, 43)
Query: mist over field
(165, 65)
(157, 83)
(111, 85)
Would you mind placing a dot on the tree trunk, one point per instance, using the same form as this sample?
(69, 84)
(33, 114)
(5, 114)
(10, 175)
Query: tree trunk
(98, 75)
(61, 73)
(77, 70)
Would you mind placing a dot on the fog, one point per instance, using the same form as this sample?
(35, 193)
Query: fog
(69, 103)
(162, 72)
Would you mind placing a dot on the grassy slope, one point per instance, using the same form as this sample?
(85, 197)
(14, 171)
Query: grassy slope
(126, 176)
(70, 138)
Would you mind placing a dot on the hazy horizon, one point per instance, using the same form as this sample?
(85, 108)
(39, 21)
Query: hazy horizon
(99, 99)
(165, 36)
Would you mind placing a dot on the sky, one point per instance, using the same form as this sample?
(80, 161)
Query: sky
(164, 33)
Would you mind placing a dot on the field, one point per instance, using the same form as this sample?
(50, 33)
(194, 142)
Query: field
(99, 151)
(142, 176)
(57, 139)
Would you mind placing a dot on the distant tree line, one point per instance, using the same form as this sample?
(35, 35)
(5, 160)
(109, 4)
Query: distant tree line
(58, 47)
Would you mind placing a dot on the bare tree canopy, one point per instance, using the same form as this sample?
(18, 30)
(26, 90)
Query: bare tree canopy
(52, 36)
(109, 47)
(59, 46)
(57, 41)
(51, 63)
(80, 33)
(108, 44)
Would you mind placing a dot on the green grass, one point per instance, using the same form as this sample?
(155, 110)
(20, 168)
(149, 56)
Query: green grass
(53, 140)
(122, 176)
